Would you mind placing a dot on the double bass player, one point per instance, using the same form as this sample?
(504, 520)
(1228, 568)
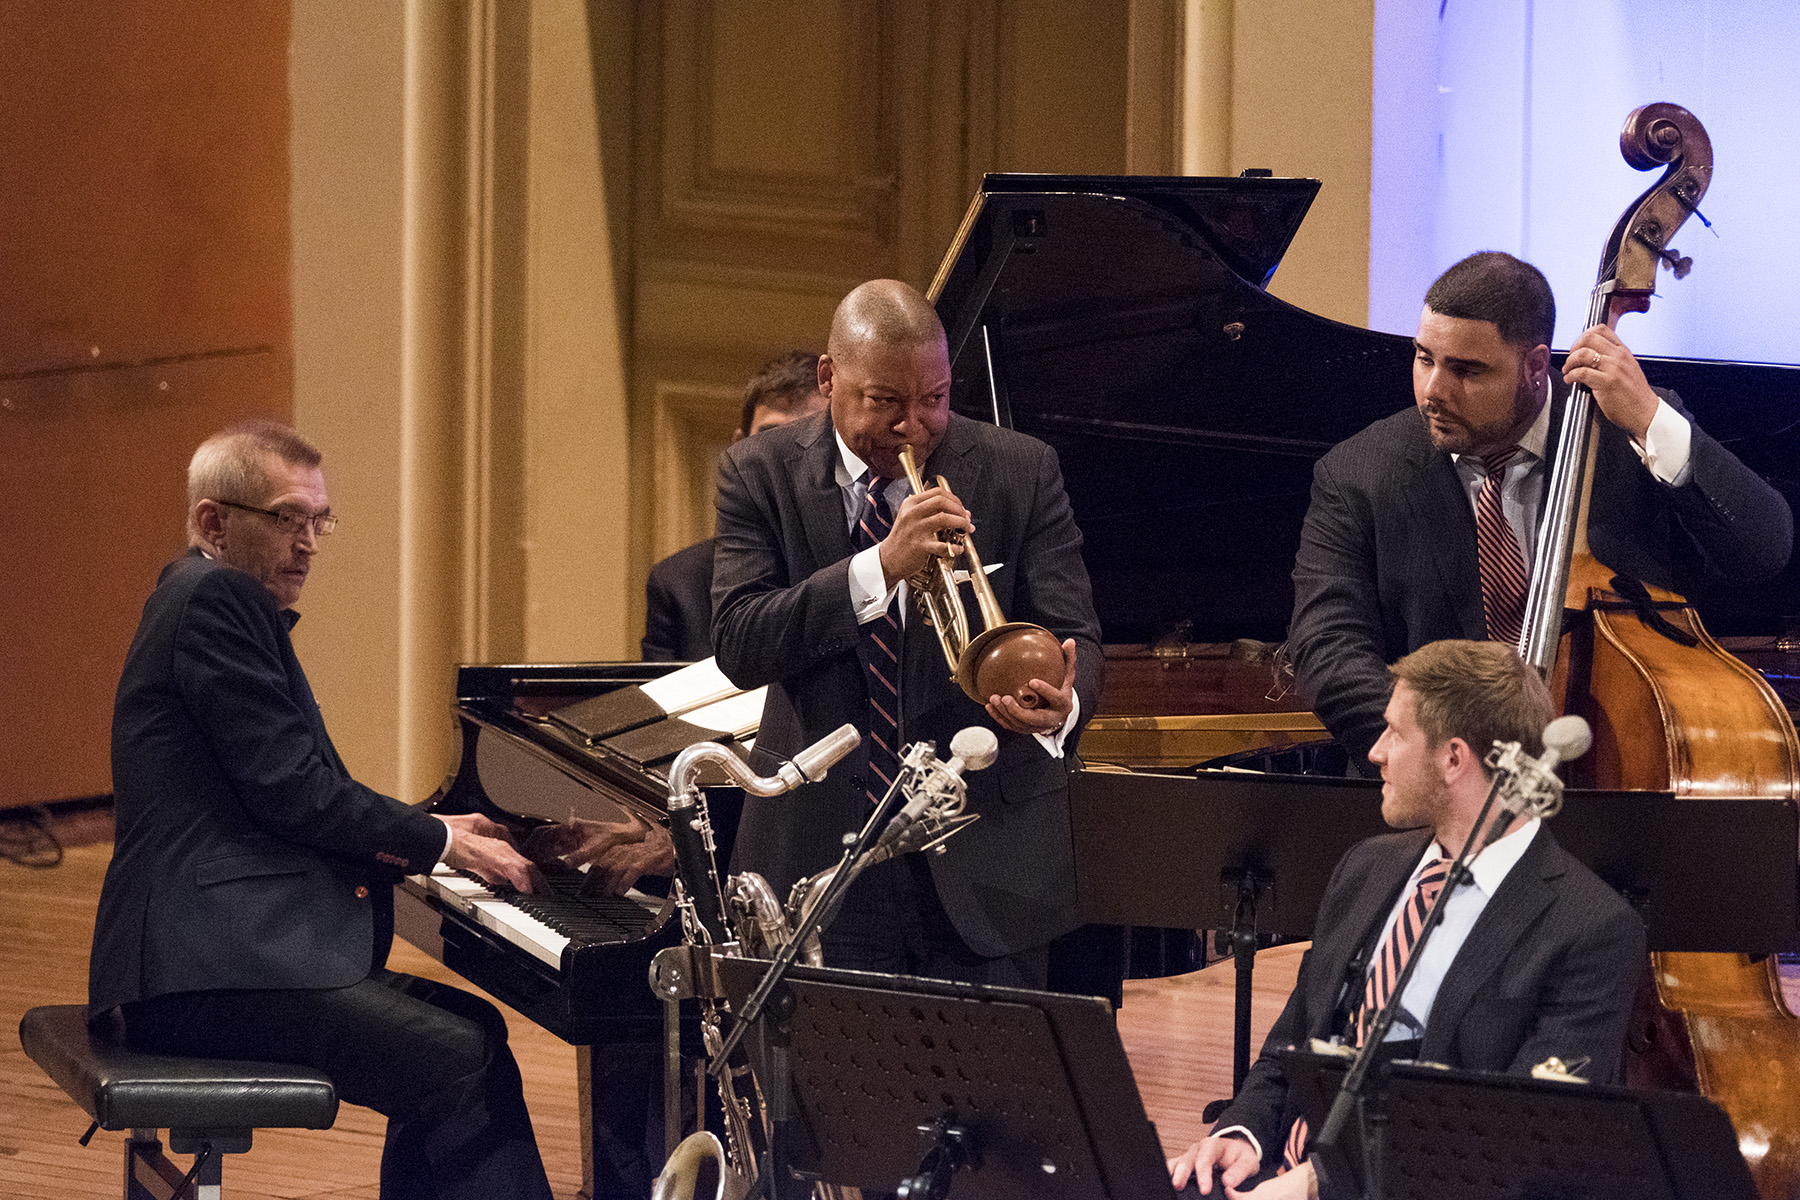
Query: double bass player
(1421, 527)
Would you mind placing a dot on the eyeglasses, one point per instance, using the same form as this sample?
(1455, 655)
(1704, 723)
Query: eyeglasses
(290, 522)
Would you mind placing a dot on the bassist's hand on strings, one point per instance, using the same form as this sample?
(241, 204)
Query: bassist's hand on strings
(1600, 360)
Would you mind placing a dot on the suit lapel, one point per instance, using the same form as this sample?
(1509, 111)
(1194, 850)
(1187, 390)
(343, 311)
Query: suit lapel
(1522, 898)
(1437, 509)
(1361, 924)
(820, 499)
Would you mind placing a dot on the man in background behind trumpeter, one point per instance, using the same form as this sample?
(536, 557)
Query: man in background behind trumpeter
(817, 533)
(1423, 525)
(1536, 958)
(678, 596)
(248, 908)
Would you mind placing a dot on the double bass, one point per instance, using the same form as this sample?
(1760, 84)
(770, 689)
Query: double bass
(1670, 709)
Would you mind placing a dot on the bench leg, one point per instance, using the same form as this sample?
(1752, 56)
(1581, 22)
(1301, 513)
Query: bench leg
(150, 1175)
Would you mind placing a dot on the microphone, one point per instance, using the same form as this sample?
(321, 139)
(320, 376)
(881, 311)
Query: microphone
(972, 749)
(1527, 786)
(811, 763)
(1565, 738)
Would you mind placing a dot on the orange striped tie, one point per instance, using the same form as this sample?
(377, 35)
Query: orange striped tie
(1390, 959)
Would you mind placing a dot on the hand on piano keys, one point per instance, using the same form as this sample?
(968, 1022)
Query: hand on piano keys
(547, 923)
(616, 853)
(485, 848)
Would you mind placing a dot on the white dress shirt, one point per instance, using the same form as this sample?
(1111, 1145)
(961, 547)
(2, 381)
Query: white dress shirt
(1665, 451)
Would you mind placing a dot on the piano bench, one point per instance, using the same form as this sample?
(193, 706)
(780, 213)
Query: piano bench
(210, 1107)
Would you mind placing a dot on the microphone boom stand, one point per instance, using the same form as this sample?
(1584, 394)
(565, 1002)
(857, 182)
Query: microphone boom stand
(855, 859)
(1361, 1088)
(870, 845)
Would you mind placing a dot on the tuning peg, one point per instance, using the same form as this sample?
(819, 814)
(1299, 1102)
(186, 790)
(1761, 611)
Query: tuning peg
(1673, 259)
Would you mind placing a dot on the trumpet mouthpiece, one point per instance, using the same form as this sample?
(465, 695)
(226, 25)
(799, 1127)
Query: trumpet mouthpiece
(910, 462)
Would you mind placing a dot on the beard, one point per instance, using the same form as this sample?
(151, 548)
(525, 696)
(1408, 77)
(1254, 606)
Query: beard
(1455, 435)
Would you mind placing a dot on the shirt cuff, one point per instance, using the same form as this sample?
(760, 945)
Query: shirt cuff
(449, 838)
(1053, 742)
(1668, 445)
(1240, 1131)
(870, 595)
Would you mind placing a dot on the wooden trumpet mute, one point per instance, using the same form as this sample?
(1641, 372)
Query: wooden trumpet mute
(1004, 660)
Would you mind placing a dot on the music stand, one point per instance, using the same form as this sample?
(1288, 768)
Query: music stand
(1469, 1135)
(1233, 850)
(1706, 874)
(889, 1073)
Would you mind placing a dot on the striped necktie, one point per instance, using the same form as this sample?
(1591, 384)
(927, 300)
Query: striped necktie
(880, 651)
(1390, 959)
(1503, 570)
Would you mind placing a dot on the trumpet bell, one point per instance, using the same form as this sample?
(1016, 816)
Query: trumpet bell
(1004, 660)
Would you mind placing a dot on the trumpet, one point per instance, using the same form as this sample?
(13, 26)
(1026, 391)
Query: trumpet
(1005, 656)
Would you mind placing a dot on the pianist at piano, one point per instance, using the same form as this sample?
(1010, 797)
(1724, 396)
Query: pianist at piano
(1387, 560)
(1535, 959)
(248, 908)
(790, 597)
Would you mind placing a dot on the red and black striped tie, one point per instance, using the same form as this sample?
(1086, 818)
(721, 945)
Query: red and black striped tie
(1503, 572)
(880, 652)
(1390, 959)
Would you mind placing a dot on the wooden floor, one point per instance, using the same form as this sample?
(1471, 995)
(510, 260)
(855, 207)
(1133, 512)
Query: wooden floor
(1176, 1031)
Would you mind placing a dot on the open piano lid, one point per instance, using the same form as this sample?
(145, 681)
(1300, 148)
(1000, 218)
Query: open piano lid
(1127, 325)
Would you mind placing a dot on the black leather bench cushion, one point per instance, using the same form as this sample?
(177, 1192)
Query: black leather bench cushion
(124, 1090)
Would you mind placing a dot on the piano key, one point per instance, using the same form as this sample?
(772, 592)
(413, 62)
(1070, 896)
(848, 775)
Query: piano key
(543, 925)
(495, 913)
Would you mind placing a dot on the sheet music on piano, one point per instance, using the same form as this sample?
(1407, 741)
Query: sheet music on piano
(692, 687)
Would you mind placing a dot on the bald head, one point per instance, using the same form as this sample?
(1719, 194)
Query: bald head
(883, 312)
(886, 371)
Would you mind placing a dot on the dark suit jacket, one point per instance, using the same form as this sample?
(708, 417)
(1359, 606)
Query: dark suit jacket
(782, 616)
(245, 856)
(1387, 556)
(678, 606)
(1550, 968)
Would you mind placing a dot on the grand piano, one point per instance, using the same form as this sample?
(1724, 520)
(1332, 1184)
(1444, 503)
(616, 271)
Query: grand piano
(1126, 322)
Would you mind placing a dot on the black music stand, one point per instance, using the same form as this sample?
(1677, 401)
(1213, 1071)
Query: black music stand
(1219, 850)
(1015, 1094)
(1469, 1135)
(1705, 874)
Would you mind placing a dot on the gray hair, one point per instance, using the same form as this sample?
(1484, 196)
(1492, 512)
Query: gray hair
(231, 465)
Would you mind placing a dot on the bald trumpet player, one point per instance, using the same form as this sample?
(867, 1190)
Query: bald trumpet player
(822, 536)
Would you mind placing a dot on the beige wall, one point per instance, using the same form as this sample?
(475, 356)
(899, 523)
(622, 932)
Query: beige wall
(536, 245)
(653, 198)
(347, 79)
(1288, 85)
